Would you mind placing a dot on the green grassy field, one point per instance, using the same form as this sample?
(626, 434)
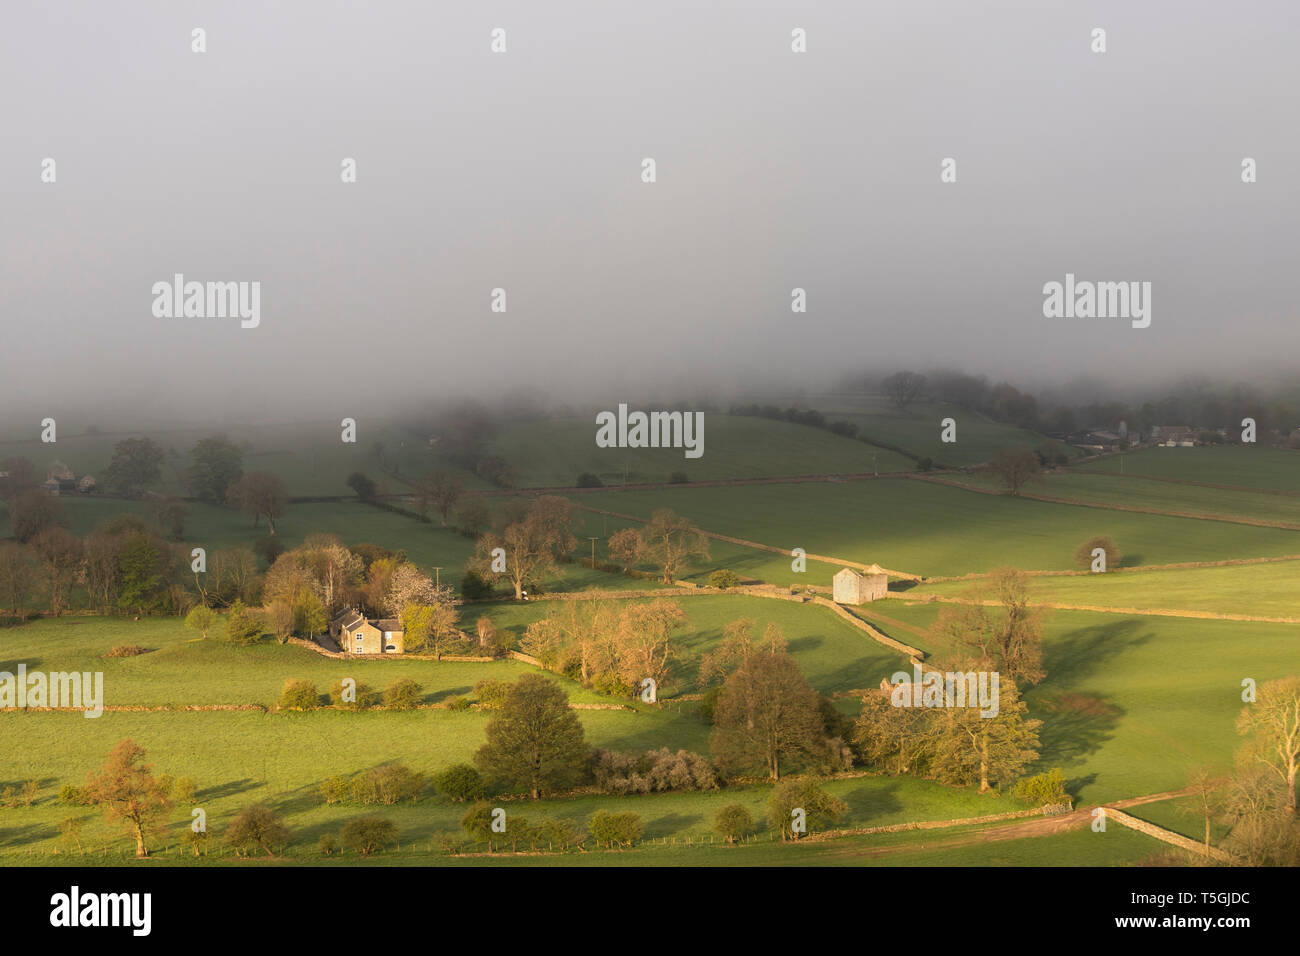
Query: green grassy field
(1131, 703)
(930, 529)
(1259, 590)
(241, 757)
(1247, 465)
(554, 453)
(1128, 491)
(958, 847)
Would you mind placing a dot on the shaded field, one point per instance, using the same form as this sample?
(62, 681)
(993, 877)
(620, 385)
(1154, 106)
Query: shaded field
(918, 429)
(310, 456)
(555, 453)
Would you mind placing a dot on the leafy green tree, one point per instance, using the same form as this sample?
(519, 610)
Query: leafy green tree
(136, 466)
(363, 486)
(362, 697)
(258, 826)
(201, 619)
(733, 822)
(1041, 789)
(820, 809)
(243, 624)
(141, 580)
(309, 614)
(895, 739)
(299, 695)
(184, 790)
(475, 586)
(215, 465)
(491, 694)
(615, 829)
(535, 741)
(403, 694)
(428, 627)
(723, 579)
(556, 833)
(477, 822)
(971, 748)
(460, 783)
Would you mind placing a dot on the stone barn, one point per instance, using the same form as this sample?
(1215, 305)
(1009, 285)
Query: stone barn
(858, 587)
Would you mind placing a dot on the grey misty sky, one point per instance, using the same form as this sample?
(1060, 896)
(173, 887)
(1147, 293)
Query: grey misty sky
(522, 170)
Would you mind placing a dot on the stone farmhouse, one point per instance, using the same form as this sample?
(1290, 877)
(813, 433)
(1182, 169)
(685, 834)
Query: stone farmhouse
(1175, 436)
(60, 480)
(850, 586)
(358, 635)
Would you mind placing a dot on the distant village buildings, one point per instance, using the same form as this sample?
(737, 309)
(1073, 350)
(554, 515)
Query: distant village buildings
(850, 586)
(1174, 436)
(60, 480)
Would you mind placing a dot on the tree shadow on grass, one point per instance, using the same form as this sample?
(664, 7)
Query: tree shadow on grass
(867, 803)
(671, 824)
(800, 645)
(1074, 726)
(439, 696)
(228, 789)
(1086, 650)
(1077, 723)
(1077, 784)
(27, 833)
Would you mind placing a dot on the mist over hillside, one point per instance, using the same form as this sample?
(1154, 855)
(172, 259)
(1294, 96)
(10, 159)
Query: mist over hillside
(499, 233)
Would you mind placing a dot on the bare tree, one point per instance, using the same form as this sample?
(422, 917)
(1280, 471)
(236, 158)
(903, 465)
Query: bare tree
(440, 491)
(766, 715)
(1273, 725)
(1009, 638)
(904, 388)
(533, 544)
(60, 555)
(1015, 466)
(669, 541)
(261, 495)
(18, 581)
